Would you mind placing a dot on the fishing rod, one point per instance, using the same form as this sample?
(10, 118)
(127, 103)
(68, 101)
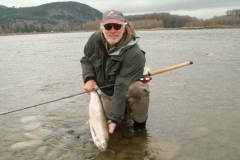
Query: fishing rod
(145, 80)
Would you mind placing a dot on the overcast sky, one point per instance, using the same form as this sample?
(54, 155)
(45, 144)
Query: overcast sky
(204, 9)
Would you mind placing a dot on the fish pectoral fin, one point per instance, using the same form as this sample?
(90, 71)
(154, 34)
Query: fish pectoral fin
(87, 122)
(94, 132)
(87, 99)
(87, 115)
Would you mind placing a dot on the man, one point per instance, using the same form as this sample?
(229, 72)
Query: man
(112, 56)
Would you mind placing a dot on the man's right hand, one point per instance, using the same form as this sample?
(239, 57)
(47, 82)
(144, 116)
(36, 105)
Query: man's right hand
(90, 85)
(111, 127)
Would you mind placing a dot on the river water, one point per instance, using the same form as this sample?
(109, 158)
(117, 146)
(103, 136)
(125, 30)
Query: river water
(194, 111)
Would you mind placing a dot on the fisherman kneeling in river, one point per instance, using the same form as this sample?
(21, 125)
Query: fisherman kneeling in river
(112, 56)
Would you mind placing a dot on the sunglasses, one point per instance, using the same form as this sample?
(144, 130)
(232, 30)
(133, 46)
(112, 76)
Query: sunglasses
(114, 25)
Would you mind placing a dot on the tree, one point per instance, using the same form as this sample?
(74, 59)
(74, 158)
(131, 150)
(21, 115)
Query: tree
(3, 26)
(42, 29)
(26, 28)
(91, 25)
(235, 12)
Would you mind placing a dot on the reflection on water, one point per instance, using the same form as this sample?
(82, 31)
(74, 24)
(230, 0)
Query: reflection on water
(194, 111)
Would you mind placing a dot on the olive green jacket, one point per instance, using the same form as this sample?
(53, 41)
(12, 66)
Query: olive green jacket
(121, 67)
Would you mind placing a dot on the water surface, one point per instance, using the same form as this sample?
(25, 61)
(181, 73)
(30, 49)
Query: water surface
(194, 111)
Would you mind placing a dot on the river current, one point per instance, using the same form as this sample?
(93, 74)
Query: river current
(194, 111)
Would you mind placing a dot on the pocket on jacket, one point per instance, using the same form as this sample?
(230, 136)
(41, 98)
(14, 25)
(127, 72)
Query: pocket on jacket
(113, 68)
(96, 62)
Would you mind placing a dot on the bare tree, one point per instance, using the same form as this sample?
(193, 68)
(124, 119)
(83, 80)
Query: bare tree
(91, 25)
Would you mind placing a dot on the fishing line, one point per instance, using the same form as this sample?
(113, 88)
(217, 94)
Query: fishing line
(54, 100)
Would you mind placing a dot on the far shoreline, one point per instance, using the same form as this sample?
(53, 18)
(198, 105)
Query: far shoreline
(152, 29)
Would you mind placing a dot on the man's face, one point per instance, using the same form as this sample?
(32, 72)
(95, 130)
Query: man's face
(112, 35)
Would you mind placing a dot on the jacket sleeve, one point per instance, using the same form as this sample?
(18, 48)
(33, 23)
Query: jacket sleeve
(87, 67)
(131, 70)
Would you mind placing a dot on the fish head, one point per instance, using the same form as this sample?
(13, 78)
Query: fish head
(102, 144)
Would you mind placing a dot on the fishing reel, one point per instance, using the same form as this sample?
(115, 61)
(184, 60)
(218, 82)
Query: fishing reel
(145, 79)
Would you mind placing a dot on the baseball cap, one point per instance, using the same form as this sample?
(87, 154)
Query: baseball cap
(112, 16)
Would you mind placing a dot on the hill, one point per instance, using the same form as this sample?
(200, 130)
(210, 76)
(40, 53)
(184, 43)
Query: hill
(56, 16)
(3, 7)
(74, 16)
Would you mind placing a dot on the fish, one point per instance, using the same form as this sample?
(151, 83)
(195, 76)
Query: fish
(98, 122)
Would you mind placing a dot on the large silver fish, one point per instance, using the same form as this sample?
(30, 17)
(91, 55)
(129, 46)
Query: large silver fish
(98, 122)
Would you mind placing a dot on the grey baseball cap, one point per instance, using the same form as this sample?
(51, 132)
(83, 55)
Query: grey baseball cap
(112, 16)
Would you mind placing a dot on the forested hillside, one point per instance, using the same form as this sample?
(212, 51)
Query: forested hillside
(57, 16)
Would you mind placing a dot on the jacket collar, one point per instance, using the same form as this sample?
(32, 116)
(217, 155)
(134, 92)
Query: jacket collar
(132, 42)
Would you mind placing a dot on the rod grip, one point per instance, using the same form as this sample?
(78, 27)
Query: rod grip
(171, 68)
